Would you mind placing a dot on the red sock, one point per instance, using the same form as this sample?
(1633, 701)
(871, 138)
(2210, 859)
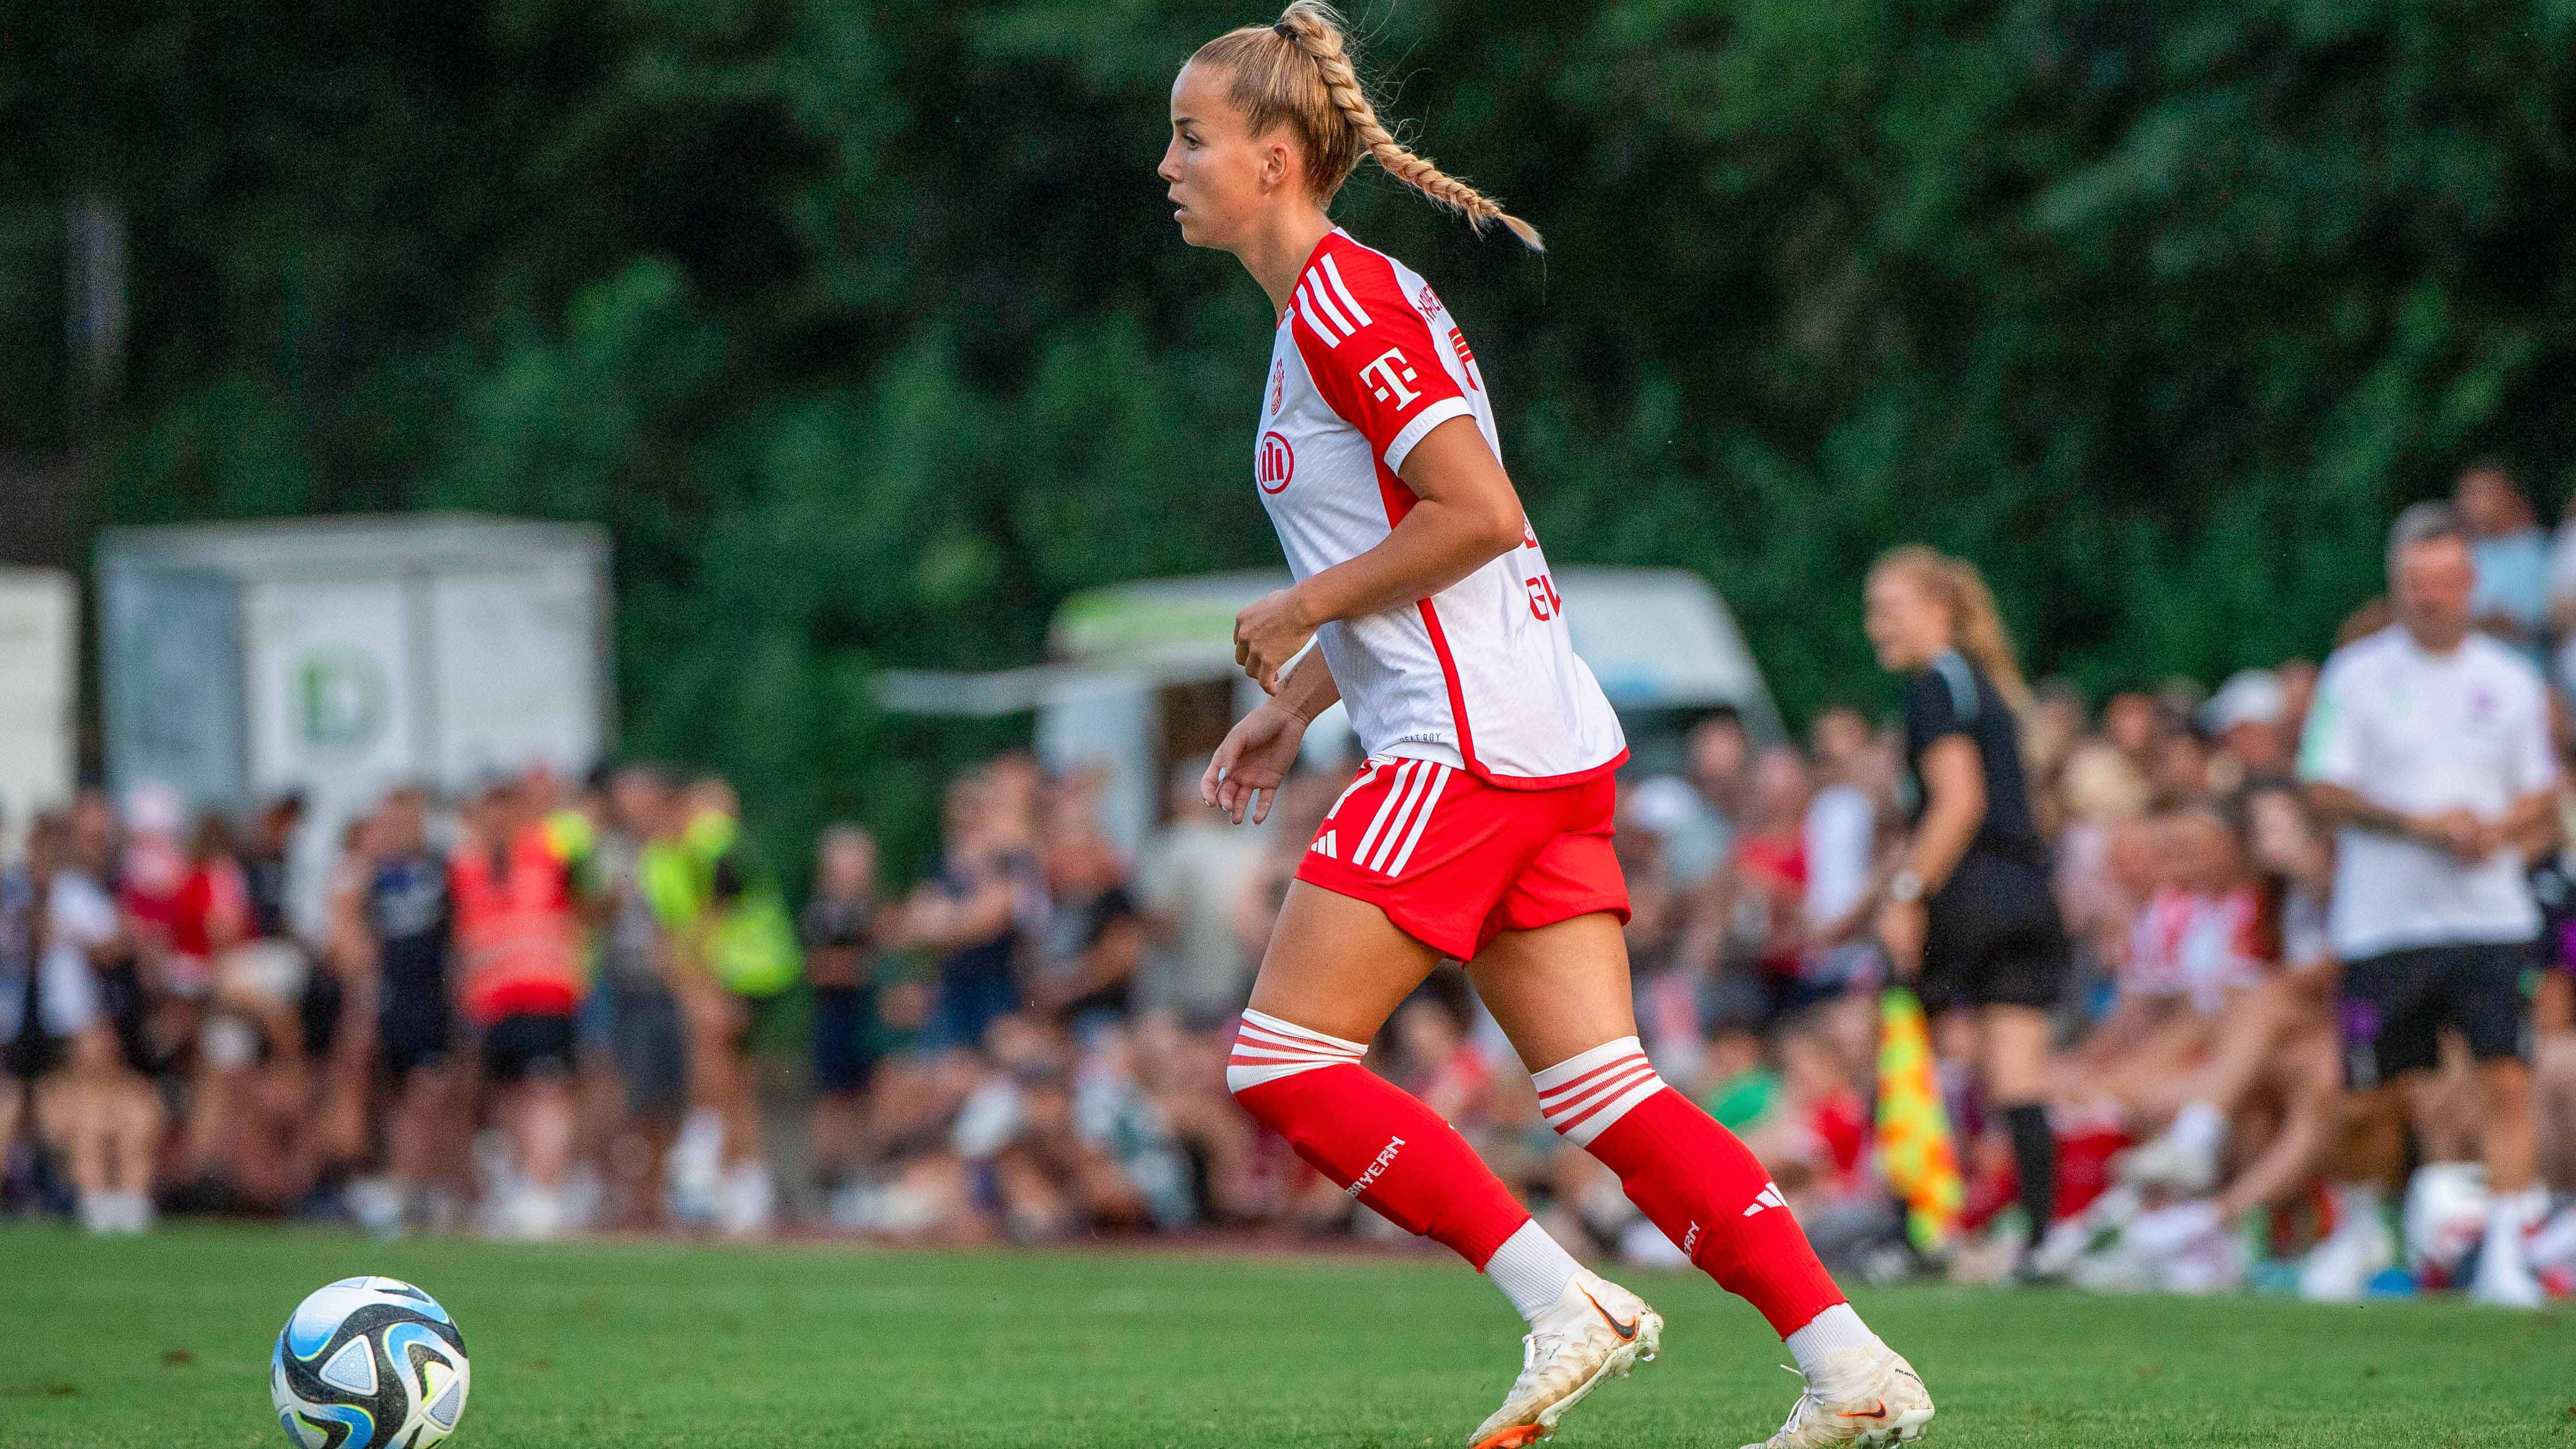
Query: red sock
(1373, 1139)
(1691, 1178)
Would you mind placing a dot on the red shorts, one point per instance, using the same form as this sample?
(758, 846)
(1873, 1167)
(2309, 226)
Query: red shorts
(1455, 862)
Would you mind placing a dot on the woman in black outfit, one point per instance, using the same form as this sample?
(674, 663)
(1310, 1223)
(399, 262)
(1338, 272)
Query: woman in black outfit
(1968, 912)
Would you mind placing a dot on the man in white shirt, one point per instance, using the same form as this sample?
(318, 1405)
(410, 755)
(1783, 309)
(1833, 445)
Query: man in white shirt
(2428, 748)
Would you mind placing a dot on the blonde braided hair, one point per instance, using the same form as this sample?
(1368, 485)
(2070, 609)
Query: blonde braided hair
(1297, 72)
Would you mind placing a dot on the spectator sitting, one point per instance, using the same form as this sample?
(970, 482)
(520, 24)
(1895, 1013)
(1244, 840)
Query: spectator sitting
(57, 1057)
(2132, 725)
(1769, 878)
(267, 873)
(1094, 941)
(1436, 1062)
(2249, 717)
(1701, 816)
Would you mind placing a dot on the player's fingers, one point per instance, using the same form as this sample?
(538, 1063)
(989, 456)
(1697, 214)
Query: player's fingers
(1261, 804)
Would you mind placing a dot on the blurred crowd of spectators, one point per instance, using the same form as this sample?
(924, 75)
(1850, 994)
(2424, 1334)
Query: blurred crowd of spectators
(550, 1008)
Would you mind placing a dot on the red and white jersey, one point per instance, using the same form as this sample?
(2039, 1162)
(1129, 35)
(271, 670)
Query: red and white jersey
(1481, 675)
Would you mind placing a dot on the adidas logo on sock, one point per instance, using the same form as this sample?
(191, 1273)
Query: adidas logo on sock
(1768, 1197)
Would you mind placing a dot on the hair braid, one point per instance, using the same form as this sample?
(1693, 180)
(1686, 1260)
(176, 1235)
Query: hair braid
(1317, 31)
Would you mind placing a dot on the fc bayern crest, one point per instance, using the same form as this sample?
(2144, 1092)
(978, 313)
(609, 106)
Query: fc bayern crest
(1278, 385)
(1274, 463)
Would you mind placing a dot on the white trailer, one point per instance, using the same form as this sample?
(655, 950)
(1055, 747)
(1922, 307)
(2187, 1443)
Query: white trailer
(337, 658)
(39, 696)
(1144, 678)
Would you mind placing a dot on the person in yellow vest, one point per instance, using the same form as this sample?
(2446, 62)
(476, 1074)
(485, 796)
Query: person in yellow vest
(519, 981)
(733, 945)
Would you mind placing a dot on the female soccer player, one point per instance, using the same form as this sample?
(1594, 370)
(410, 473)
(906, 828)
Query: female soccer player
(1479, 827)
(1970, 909)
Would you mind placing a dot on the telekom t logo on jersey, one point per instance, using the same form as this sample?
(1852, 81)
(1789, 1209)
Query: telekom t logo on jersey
(1387, 378)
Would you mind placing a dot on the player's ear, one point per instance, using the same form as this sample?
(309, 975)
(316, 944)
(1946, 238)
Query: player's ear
(1278, 162)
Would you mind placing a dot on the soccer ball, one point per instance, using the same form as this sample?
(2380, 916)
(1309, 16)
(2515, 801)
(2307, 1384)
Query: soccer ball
(368, 1363)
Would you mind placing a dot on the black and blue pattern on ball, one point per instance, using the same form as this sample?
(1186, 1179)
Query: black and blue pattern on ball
(369, 1363)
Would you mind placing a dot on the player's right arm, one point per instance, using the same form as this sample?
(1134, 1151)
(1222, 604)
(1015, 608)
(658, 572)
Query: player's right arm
(1465, 515)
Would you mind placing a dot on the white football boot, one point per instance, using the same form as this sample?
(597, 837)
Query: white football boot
(1595, 1331)
(1869, 1397)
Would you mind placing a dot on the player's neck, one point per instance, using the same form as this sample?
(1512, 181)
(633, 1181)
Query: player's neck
(1277, 254)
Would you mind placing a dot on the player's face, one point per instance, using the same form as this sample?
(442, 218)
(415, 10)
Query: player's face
(1906, 625)
(1214, 169)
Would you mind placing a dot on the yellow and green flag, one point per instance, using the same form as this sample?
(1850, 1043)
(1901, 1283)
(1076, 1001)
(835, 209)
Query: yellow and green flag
(1915, 1148)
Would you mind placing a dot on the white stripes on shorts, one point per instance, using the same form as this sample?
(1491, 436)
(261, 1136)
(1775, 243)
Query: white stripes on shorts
(1397, 826)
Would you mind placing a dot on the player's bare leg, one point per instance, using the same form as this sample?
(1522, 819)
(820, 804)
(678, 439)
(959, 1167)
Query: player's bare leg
(1561, 992)
(1335, 970)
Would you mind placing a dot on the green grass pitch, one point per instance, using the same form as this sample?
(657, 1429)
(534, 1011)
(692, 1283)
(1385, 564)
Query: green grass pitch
(162, 1343)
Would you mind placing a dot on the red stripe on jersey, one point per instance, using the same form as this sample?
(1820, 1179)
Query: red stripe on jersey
(1467, 738)
(1457, 693)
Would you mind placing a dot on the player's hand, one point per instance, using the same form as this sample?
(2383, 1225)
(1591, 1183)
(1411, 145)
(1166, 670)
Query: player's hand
(1902, 926)
(1246, 770)
(1268, 633)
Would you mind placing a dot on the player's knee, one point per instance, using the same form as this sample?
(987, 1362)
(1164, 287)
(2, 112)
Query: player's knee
(1268, 1049)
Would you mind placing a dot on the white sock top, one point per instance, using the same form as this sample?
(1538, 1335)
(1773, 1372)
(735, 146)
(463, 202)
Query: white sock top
(1587, 1092)
(1827, 1334)
(1532, 1269)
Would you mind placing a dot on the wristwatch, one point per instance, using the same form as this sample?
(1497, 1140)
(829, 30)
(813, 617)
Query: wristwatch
(1905, 887)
